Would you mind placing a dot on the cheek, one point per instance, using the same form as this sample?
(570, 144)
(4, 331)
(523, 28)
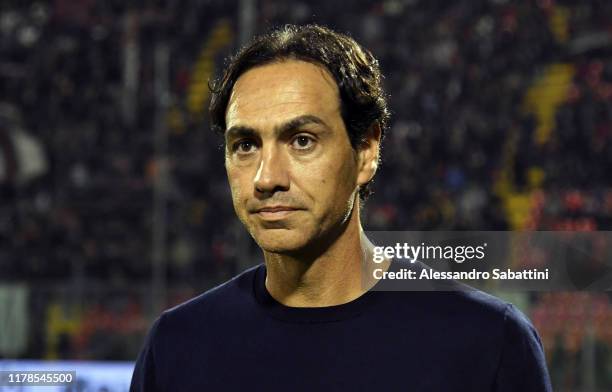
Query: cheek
(236, 193)
(335, 180)
(237, 186)
(238, 199)
(347, 173)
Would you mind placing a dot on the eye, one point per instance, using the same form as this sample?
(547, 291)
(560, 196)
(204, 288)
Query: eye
(302, 142)
(244, 147)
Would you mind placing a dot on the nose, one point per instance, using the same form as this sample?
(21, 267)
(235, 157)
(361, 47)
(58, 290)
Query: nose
(272, 175)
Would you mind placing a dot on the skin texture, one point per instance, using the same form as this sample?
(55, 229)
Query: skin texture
(295, 178)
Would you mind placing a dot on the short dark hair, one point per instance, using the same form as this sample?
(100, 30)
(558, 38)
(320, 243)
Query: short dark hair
(354, 68)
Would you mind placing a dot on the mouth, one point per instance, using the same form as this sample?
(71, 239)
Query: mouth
(275, 212)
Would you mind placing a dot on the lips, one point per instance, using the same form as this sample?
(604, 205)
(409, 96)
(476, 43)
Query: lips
(276, 209)
(275, 212)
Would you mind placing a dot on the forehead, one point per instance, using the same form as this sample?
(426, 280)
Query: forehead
(276, 92)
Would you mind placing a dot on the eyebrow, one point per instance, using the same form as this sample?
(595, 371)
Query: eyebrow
(295, 123)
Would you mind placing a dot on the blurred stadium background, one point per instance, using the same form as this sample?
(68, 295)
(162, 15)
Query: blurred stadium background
(113, 198)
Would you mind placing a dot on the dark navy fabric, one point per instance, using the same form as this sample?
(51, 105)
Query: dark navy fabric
(236, 337)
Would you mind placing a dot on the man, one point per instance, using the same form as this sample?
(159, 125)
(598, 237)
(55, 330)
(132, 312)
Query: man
(302, 112)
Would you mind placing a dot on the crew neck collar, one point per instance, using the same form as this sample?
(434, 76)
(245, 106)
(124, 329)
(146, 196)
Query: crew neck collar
(311, 315)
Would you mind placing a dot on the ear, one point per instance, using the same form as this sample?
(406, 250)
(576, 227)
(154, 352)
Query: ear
(368, 154)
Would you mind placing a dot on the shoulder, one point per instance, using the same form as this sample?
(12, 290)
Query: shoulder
(450, 300)
(472, 314)
(502, 319)
(224, 299)
(192, 328)
(444, 299)
(475, 302)
(468, 310)
(499, 332)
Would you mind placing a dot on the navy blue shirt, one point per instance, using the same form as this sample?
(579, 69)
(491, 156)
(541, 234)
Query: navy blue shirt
(237, 337)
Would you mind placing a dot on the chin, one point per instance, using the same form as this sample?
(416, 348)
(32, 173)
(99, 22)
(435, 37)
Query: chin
(281, 240)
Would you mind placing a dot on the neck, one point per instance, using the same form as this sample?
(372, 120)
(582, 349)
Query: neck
(332, 277)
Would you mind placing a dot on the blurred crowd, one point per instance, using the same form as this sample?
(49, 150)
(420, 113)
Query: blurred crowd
(81, 114)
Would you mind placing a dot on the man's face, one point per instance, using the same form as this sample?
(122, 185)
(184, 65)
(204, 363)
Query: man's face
(291, 168)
